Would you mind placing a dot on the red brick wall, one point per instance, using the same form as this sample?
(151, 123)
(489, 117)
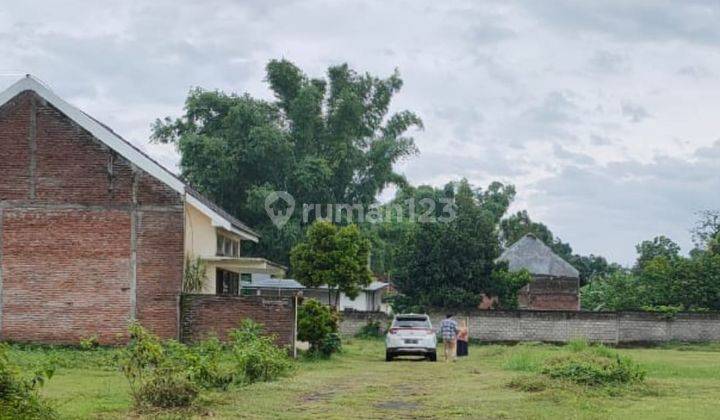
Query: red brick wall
(67, 207)
(160, 237)
(73, 167)
(15, 153)
(214, 314)
(550, 294)
(65, 275)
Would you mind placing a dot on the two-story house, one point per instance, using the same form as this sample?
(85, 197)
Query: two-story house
(94, 233)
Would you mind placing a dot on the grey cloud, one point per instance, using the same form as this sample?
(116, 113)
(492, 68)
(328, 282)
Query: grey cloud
(608, 209)
(576, 158)
(696, 72)
(507, 90)
(608, 62)
(600, 140)
(664, 21)
(634, 112)
(491, 163)
(548, 119)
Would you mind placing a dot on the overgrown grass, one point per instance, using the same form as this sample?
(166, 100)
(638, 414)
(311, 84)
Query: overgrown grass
(358, 383)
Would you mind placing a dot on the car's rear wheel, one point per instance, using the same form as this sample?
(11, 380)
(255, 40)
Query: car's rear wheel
(432, 357)
(388, 356)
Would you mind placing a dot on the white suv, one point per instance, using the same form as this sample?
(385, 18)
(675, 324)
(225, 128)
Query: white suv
(412, 335)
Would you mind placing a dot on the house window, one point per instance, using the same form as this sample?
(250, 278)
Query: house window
(227, 282)
(227, 247)
(246, 277)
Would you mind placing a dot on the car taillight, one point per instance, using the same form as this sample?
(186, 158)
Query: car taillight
(393, 330)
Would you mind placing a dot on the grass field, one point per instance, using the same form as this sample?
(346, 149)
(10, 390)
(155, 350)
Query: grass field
(684, 382)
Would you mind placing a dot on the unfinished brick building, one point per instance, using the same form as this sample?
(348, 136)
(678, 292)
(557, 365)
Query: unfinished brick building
(555, 284)
(93, 232)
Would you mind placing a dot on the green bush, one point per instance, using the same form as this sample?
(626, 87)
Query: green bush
(316, 323)
(207, 369)
(257, 358)
(164, 375)
(593, 369)
(19, 398)
(331, 344)
(168, 390)
(89, 343)
(372, 329)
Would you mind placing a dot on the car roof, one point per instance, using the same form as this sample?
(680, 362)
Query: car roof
(418, 316)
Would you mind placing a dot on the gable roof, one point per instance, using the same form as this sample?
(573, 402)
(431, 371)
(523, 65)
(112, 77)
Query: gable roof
(124, 148)
(533, 255)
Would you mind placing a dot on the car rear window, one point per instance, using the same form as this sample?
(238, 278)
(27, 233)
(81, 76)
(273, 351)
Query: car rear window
(408, 322)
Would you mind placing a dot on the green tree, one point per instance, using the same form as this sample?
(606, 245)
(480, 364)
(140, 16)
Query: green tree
(617, 291)
(398, 217)
(333, 257)
(668, 280)
(451, 264)
(660, 246)
(329, 140)
(706, 229)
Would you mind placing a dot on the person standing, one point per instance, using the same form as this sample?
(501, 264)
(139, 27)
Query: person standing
(462, 339)
(449, 331)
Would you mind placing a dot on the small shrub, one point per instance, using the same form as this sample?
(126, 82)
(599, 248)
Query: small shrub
(168, 390)
(591, 369)
(89, 343)
(316, 322)
(19, 398)
(528, 383)
(207, 370)
(257, 358)
(194, 275)
(159, 376)
(331, 344)
(668, 312)
(372, 329)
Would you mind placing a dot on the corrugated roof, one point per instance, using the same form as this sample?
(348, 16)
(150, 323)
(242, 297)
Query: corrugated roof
(267, 282)
(272, 283)
(532, 254)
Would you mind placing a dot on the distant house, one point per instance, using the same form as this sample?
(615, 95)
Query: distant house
(555, 284)
(370, 298)
(93, 232)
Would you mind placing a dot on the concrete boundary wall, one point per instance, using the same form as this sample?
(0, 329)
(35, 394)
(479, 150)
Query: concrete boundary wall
(562, 326)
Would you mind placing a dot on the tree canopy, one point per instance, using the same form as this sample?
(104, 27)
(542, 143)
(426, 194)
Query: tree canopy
(324, 140)
(333, 257)
(661, 278)
(452, 264)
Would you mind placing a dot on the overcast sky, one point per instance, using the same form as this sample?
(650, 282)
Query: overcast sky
(605, 115)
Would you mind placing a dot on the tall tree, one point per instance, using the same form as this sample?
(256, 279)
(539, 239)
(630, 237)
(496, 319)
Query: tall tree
(333, 257)
(659, 246)
(329, 140)
(706, 229)
(452, 264)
